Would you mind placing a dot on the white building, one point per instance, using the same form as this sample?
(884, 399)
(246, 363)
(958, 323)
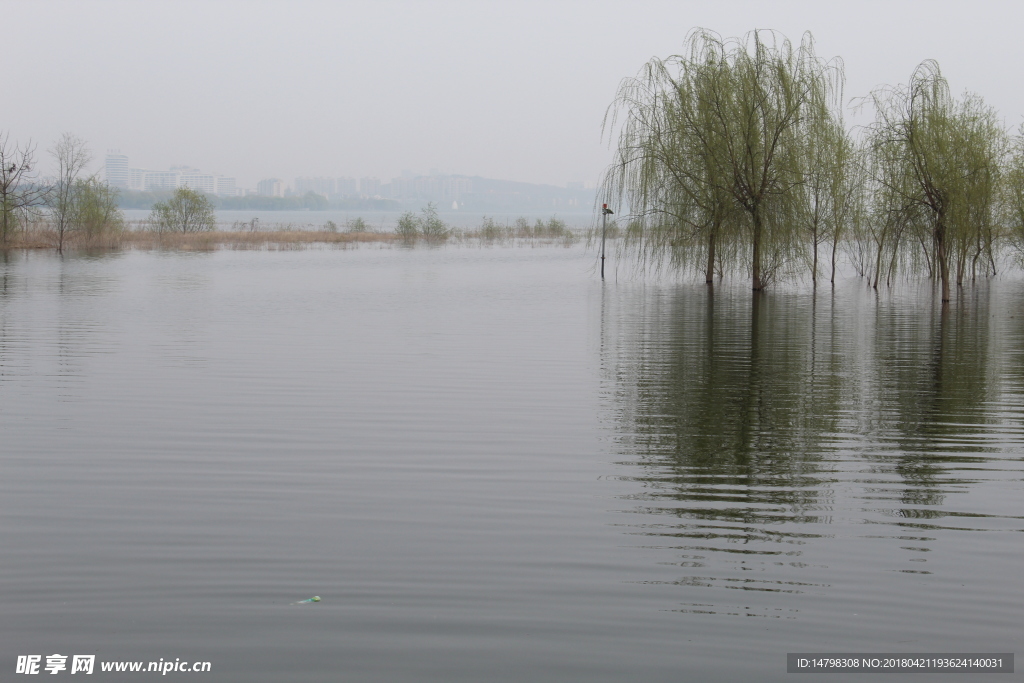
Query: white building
(201, 182)
(154, 181)
(226, 186)
(136, 178)
(118, 174)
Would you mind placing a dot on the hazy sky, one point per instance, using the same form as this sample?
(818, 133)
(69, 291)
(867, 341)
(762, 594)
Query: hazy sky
(514, 90)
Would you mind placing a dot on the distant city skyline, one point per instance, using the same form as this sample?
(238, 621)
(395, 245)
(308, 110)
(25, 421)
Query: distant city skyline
(138, 175)
(447, 191)
(119, 172)
(497, 90)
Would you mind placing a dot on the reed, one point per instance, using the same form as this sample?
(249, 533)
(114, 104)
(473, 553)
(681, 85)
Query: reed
(209, 241)
(145, 235)
(41, 236)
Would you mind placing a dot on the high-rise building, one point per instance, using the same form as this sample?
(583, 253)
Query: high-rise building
(201, 182)
(120, 175)
(270, 187)
(160, 180)
(226, 186)
(321, 186)
(136, 178)
(444, 188)
(348, 187)
(403, 188)
(369, 187)
(117, 171)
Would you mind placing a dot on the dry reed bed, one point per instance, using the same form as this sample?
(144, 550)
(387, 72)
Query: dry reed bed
(271, 240)
(196, 241)
(209, 241)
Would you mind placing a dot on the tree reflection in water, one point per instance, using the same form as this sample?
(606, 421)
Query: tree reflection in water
(760, 429)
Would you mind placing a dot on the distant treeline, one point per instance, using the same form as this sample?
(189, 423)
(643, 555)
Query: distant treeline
(135, 199)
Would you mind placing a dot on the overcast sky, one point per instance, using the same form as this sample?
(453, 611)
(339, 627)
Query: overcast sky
(513, 90)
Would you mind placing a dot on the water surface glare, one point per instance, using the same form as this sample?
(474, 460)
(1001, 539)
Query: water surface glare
(492, 467)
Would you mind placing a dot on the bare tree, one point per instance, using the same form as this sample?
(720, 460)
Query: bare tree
(72, 155)
(19, 191)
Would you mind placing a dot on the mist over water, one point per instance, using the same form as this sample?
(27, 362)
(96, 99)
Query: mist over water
(491, 466)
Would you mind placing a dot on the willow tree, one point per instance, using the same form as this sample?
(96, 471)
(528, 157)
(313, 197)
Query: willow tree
(763, 114)
(829, 189)
(937, 164)
(982, 144)
(677, 190)
(847, 194)
(1013, 194)
(893, 213)
(717, 131)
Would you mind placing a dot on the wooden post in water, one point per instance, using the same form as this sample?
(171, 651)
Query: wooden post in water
(604, 230)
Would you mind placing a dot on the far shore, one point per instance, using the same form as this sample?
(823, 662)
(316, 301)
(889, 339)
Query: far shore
(263, 239)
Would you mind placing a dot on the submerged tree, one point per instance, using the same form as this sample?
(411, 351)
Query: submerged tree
(677, 189)
(1013, 194)
(431, 226)
(408, 226)
(718, 133)
(936, 168)
(983, 146)
(847, 189)
(830, 189)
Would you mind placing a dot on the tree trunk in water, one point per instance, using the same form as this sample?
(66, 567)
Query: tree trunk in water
(878, 261)
(709, 274)
(940, 256)
(814, 266)
(835, 240)
(756, 280)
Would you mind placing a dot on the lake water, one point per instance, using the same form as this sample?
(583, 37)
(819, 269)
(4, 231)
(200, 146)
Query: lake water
(492, 467)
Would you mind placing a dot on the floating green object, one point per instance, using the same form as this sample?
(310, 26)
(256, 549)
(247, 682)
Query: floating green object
(315, 598)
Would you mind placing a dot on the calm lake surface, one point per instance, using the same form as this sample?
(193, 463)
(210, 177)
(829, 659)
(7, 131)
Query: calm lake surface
(491, 467)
